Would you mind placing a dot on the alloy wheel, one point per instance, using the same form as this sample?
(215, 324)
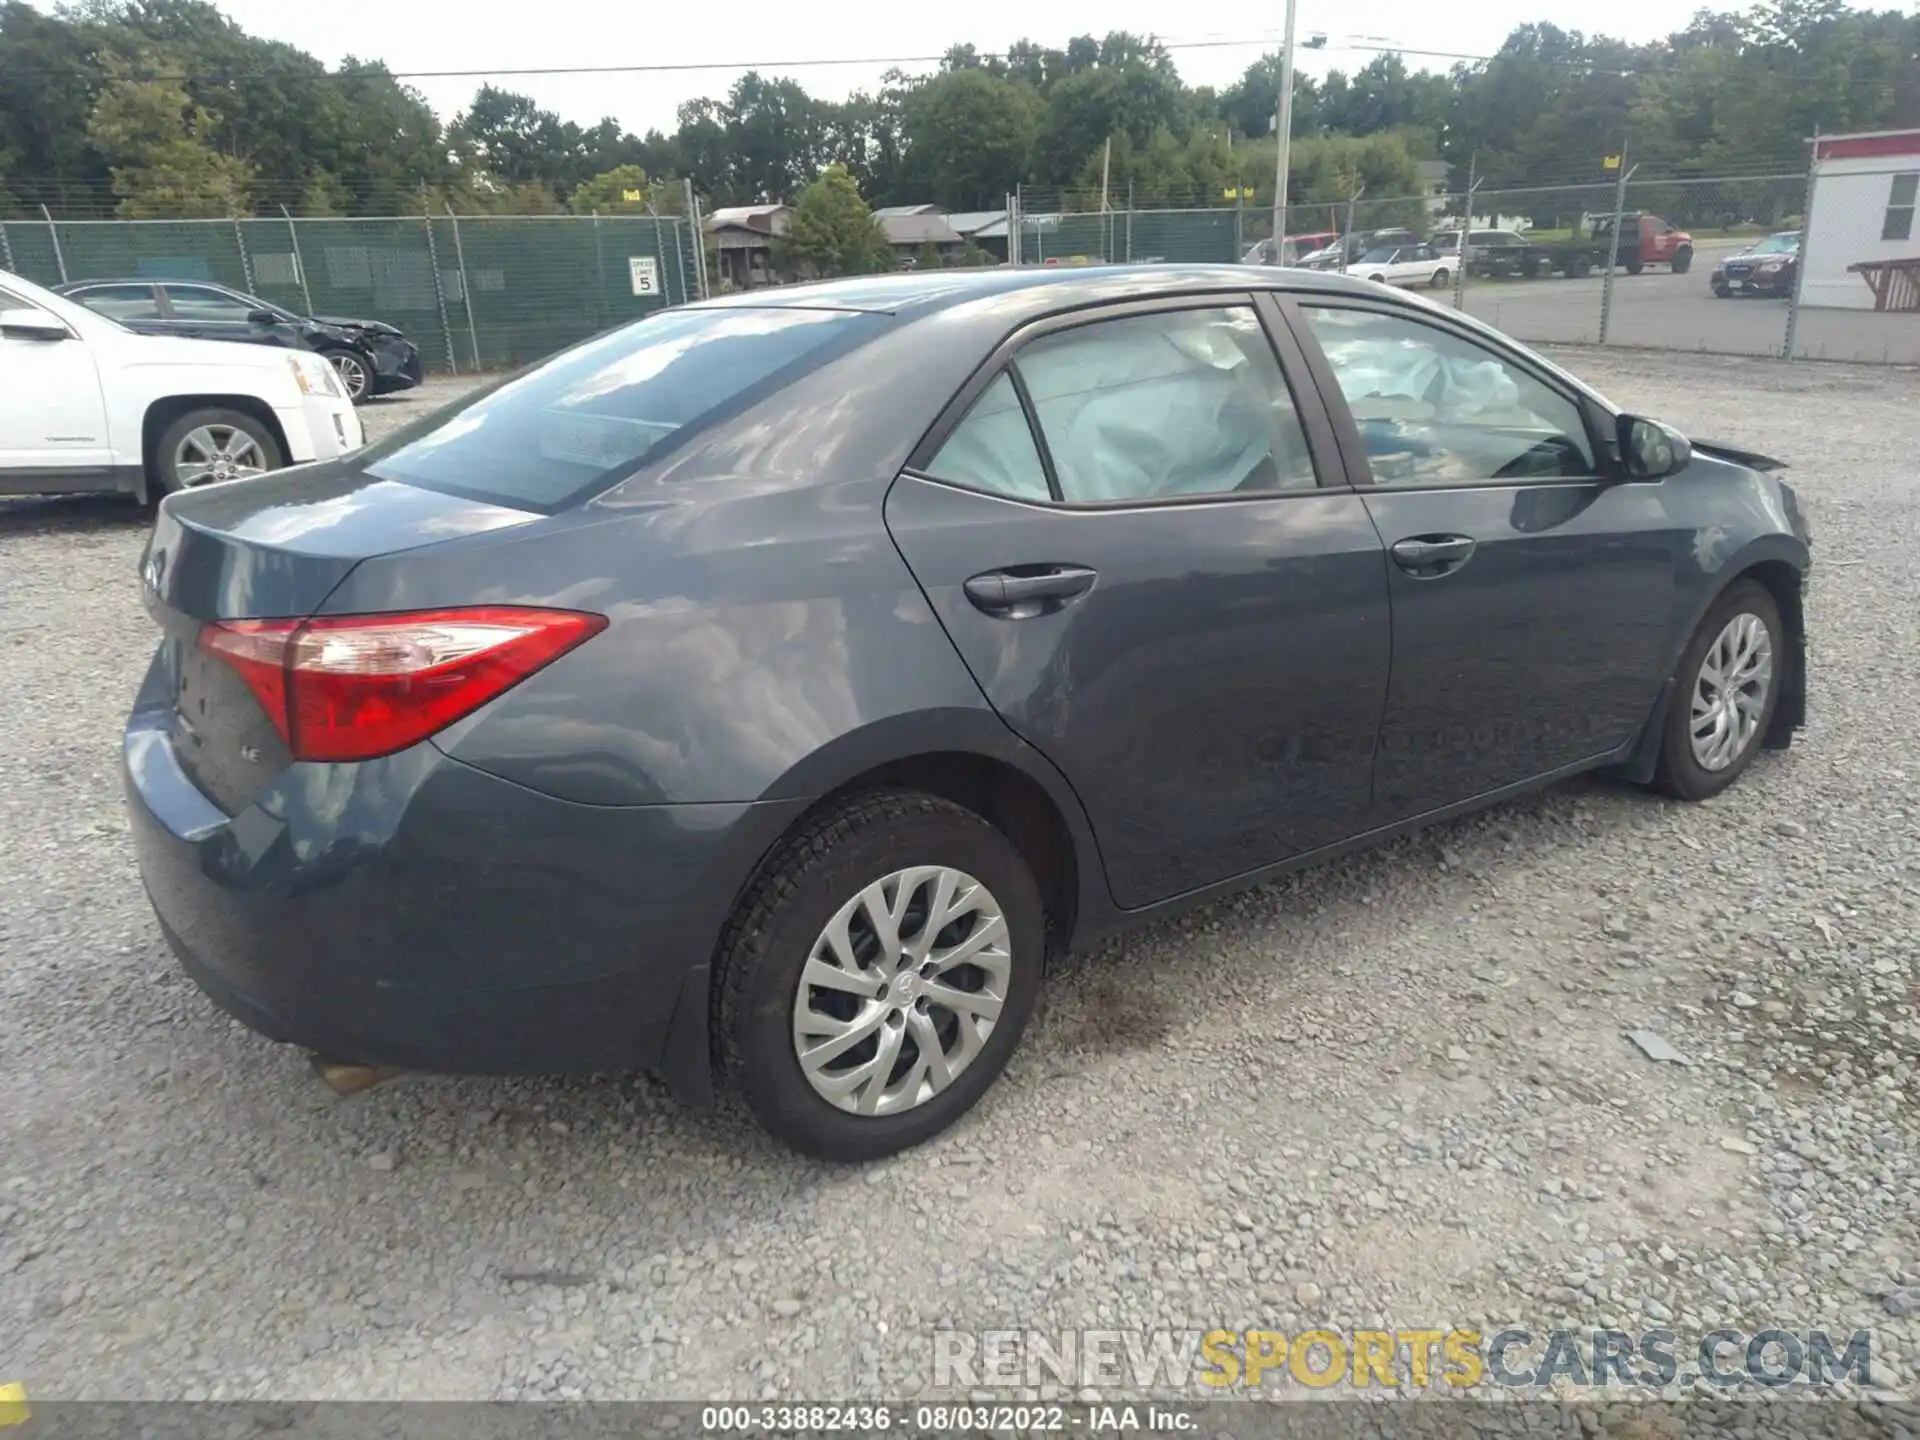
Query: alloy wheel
(352, 373)
(901, 990)
(215, 453)
(1730, 693)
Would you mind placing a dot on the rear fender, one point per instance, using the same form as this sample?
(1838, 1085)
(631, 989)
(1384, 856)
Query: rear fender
(895, 740)
(686, 1061)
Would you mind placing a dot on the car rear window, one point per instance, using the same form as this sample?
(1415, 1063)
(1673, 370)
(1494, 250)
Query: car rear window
(571, 426)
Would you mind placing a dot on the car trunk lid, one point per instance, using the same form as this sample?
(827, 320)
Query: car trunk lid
(261, 550)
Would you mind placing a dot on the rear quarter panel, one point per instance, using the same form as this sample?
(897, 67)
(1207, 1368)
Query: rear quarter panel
(767, 640)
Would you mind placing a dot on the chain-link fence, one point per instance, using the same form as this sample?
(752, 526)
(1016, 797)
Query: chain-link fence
(1060, 227)
(475, 293)
(1710, 265)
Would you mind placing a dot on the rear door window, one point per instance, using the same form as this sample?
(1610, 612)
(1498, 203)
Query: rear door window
(120, 302)
(204, 305)
(574, 425)
(1163, 406)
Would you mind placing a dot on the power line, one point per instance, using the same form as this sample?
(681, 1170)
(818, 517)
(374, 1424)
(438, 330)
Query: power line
(1361, 44)
(701, 65)
(678, 67)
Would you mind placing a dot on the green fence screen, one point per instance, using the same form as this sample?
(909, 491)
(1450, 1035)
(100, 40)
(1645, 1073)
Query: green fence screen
(1121, 237)
(474, 293)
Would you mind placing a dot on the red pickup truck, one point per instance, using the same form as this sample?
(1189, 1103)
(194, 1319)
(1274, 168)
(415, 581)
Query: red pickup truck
(1659, 244)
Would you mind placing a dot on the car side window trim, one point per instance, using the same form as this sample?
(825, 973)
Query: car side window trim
(1035, 431)
(1321, 436)
(1353, 447)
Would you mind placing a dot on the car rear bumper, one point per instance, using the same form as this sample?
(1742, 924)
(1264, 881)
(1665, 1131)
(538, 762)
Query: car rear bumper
(418, 913)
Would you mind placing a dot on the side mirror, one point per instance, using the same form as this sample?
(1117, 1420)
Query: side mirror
(26, 324)
(1650, 450)
(262, 317)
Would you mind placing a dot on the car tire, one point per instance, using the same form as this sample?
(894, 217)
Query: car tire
(1378, 279)
(355, 372)
(1440, 279)
(1579, 268)
(1682, 261)
(1634, 267)
(1722, 290)
(1681, 771)
(212, 446)
(818, 878)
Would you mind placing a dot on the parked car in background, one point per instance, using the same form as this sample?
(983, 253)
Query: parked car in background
(88, 406)
(1447, 243)
(1298, 247)
(372, 357)
(1344, 254)
(1768, 268)
(761, 692)
(1406, 265)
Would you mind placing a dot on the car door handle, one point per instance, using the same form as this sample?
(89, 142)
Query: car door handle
(1428, 555)
(1019, 594)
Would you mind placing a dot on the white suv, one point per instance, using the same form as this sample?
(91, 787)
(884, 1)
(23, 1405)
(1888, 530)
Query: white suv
(88, 406)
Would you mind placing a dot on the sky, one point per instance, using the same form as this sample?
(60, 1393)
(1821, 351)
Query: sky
(418, 35)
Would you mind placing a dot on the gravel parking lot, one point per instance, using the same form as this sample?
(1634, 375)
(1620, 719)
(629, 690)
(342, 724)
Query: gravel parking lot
(1394, 1090)
(1663, 311)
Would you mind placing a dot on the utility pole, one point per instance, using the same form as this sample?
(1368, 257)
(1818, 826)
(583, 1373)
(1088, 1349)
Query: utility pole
(1466, 229)
(1284, 134)
(1106, 164)
(1613, 245)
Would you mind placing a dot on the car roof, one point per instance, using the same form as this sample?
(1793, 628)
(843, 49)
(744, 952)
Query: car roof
(929, 291)
(67, 287)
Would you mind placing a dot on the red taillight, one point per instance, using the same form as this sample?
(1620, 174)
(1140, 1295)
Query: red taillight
(355, 687)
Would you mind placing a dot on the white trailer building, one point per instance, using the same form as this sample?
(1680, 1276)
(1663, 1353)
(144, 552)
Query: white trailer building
(1862, 245)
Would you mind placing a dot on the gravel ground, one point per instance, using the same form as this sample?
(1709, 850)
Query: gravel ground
(1396, 1089)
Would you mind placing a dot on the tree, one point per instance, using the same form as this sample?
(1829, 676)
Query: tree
(49, 80)
(623, 190)
(266, 124)
(514, 139)
(1328, 169)
(864, 135)
(1252, 104)
(155, 142)
(773, 134)
(927, 257)
(1132, 98)
(1383, 95)
(832, 231)
(969, 136)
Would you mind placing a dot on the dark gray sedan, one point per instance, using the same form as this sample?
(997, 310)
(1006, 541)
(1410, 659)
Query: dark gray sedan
(760, 693)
